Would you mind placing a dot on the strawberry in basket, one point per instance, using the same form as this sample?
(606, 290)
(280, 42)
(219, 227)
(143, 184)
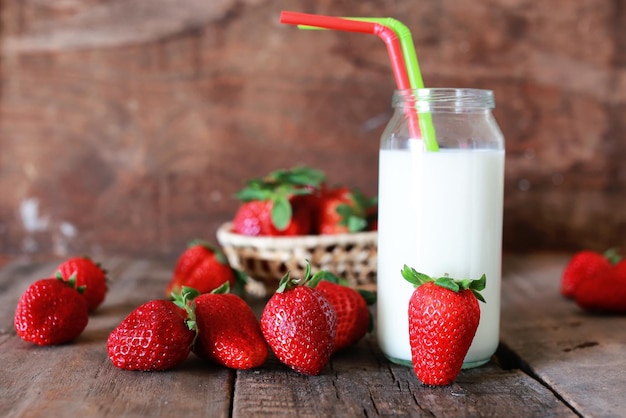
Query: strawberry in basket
(343, 210)
(281, 204)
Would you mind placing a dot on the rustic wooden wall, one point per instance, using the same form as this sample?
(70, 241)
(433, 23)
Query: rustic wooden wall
(126, 126)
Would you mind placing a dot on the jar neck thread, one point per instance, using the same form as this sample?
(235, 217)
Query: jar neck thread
(444, 99)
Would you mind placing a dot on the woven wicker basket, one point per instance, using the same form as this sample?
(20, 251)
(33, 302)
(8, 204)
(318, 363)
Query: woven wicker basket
(266, 259)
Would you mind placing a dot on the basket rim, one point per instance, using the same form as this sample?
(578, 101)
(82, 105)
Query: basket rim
(226, 237)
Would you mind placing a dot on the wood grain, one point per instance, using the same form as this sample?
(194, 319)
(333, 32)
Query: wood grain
(555, 361)
(579, 355)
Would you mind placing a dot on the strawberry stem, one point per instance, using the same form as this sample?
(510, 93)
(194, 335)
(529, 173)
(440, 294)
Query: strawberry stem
(70, 282)
(286, 282)
(613, 255)
(185, 299)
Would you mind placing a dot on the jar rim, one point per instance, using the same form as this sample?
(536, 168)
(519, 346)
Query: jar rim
(445, 98)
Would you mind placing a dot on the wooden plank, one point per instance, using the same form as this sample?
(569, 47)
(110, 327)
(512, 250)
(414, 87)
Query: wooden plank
(78, 378)
(579, 355)
(360, 382)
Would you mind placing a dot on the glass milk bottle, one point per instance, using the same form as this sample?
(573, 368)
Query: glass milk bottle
(440, 210)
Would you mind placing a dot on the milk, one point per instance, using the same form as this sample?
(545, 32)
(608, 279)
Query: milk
(439, 212)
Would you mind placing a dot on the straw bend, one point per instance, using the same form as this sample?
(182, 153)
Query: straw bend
(394, 49)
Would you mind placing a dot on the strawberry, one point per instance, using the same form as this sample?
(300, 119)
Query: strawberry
(443, 318)
(256, 218)
(605, 291)
(228, 331)
(372, 216)
(342, 210)
(275, 204)
(89, 274)
(204, 267)
(353, 316)
(585, 264)
(157, 335)
(299, 324)
(51, 311)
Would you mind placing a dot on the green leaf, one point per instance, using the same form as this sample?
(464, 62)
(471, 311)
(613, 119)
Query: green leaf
(224, 288)
(327, 276)
(414, 277)
(281, 212)
(356, 224)
(241, 279)
(215, 249)
(284, 283)
(479, 296)
(254, 191)
(369, 296)
(184, 299)
(479, 284)
(352, 216)
(448, 283)
(612, 255)
(301, 176)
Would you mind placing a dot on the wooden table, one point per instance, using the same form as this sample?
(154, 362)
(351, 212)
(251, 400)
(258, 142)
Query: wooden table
(554, 361)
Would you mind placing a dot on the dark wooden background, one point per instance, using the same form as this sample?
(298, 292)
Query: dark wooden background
(127, 125)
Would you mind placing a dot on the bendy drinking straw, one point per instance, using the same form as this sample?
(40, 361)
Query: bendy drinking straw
(407, 66)
(413, 72)
(390, 38)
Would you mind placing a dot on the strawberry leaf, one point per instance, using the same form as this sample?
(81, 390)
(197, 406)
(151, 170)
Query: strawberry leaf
(301, 176)
(284, 283)
(331, 277)
(241, 279)
(477, 285)
(281, 212)
(414, 277)
(418, 279)
(612, 255)
(214, 249)
(299, 180)
(356, 224)
(224, 288)
(184, 299)
(70, 282)
(448, 283)
(369, 296)
(256, 190)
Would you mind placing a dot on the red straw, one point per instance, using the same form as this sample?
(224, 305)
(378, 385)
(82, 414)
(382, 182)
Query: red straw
(394, 48)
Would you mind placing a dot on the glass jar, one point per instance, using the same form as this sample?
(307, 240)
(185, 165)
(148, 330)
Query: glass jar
(441, 181)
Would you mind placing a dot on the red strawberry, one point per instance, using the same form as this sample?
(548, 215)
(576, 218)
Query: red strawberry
(299, 325)
(204, 267)
(228, 331)
(585, 264)
(605, 291)
(353, 316)
(342, 210)
(372, 217)
(155, 336)
(51, 311)
(443, 318)
(275, 206)
(89, 274)
(255, 218)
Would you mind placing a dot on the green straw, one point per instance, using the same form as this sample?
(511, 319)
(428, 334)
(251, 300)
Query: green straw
(413, 70)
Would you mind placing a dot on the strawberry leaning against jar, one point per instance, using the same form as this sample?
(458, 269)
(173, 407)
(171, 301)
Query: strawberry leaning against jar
(443, 319)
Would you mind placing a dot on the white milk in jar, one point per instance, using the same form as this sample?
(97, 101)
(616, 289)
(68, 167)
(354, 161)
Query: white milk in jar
(440, 212)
